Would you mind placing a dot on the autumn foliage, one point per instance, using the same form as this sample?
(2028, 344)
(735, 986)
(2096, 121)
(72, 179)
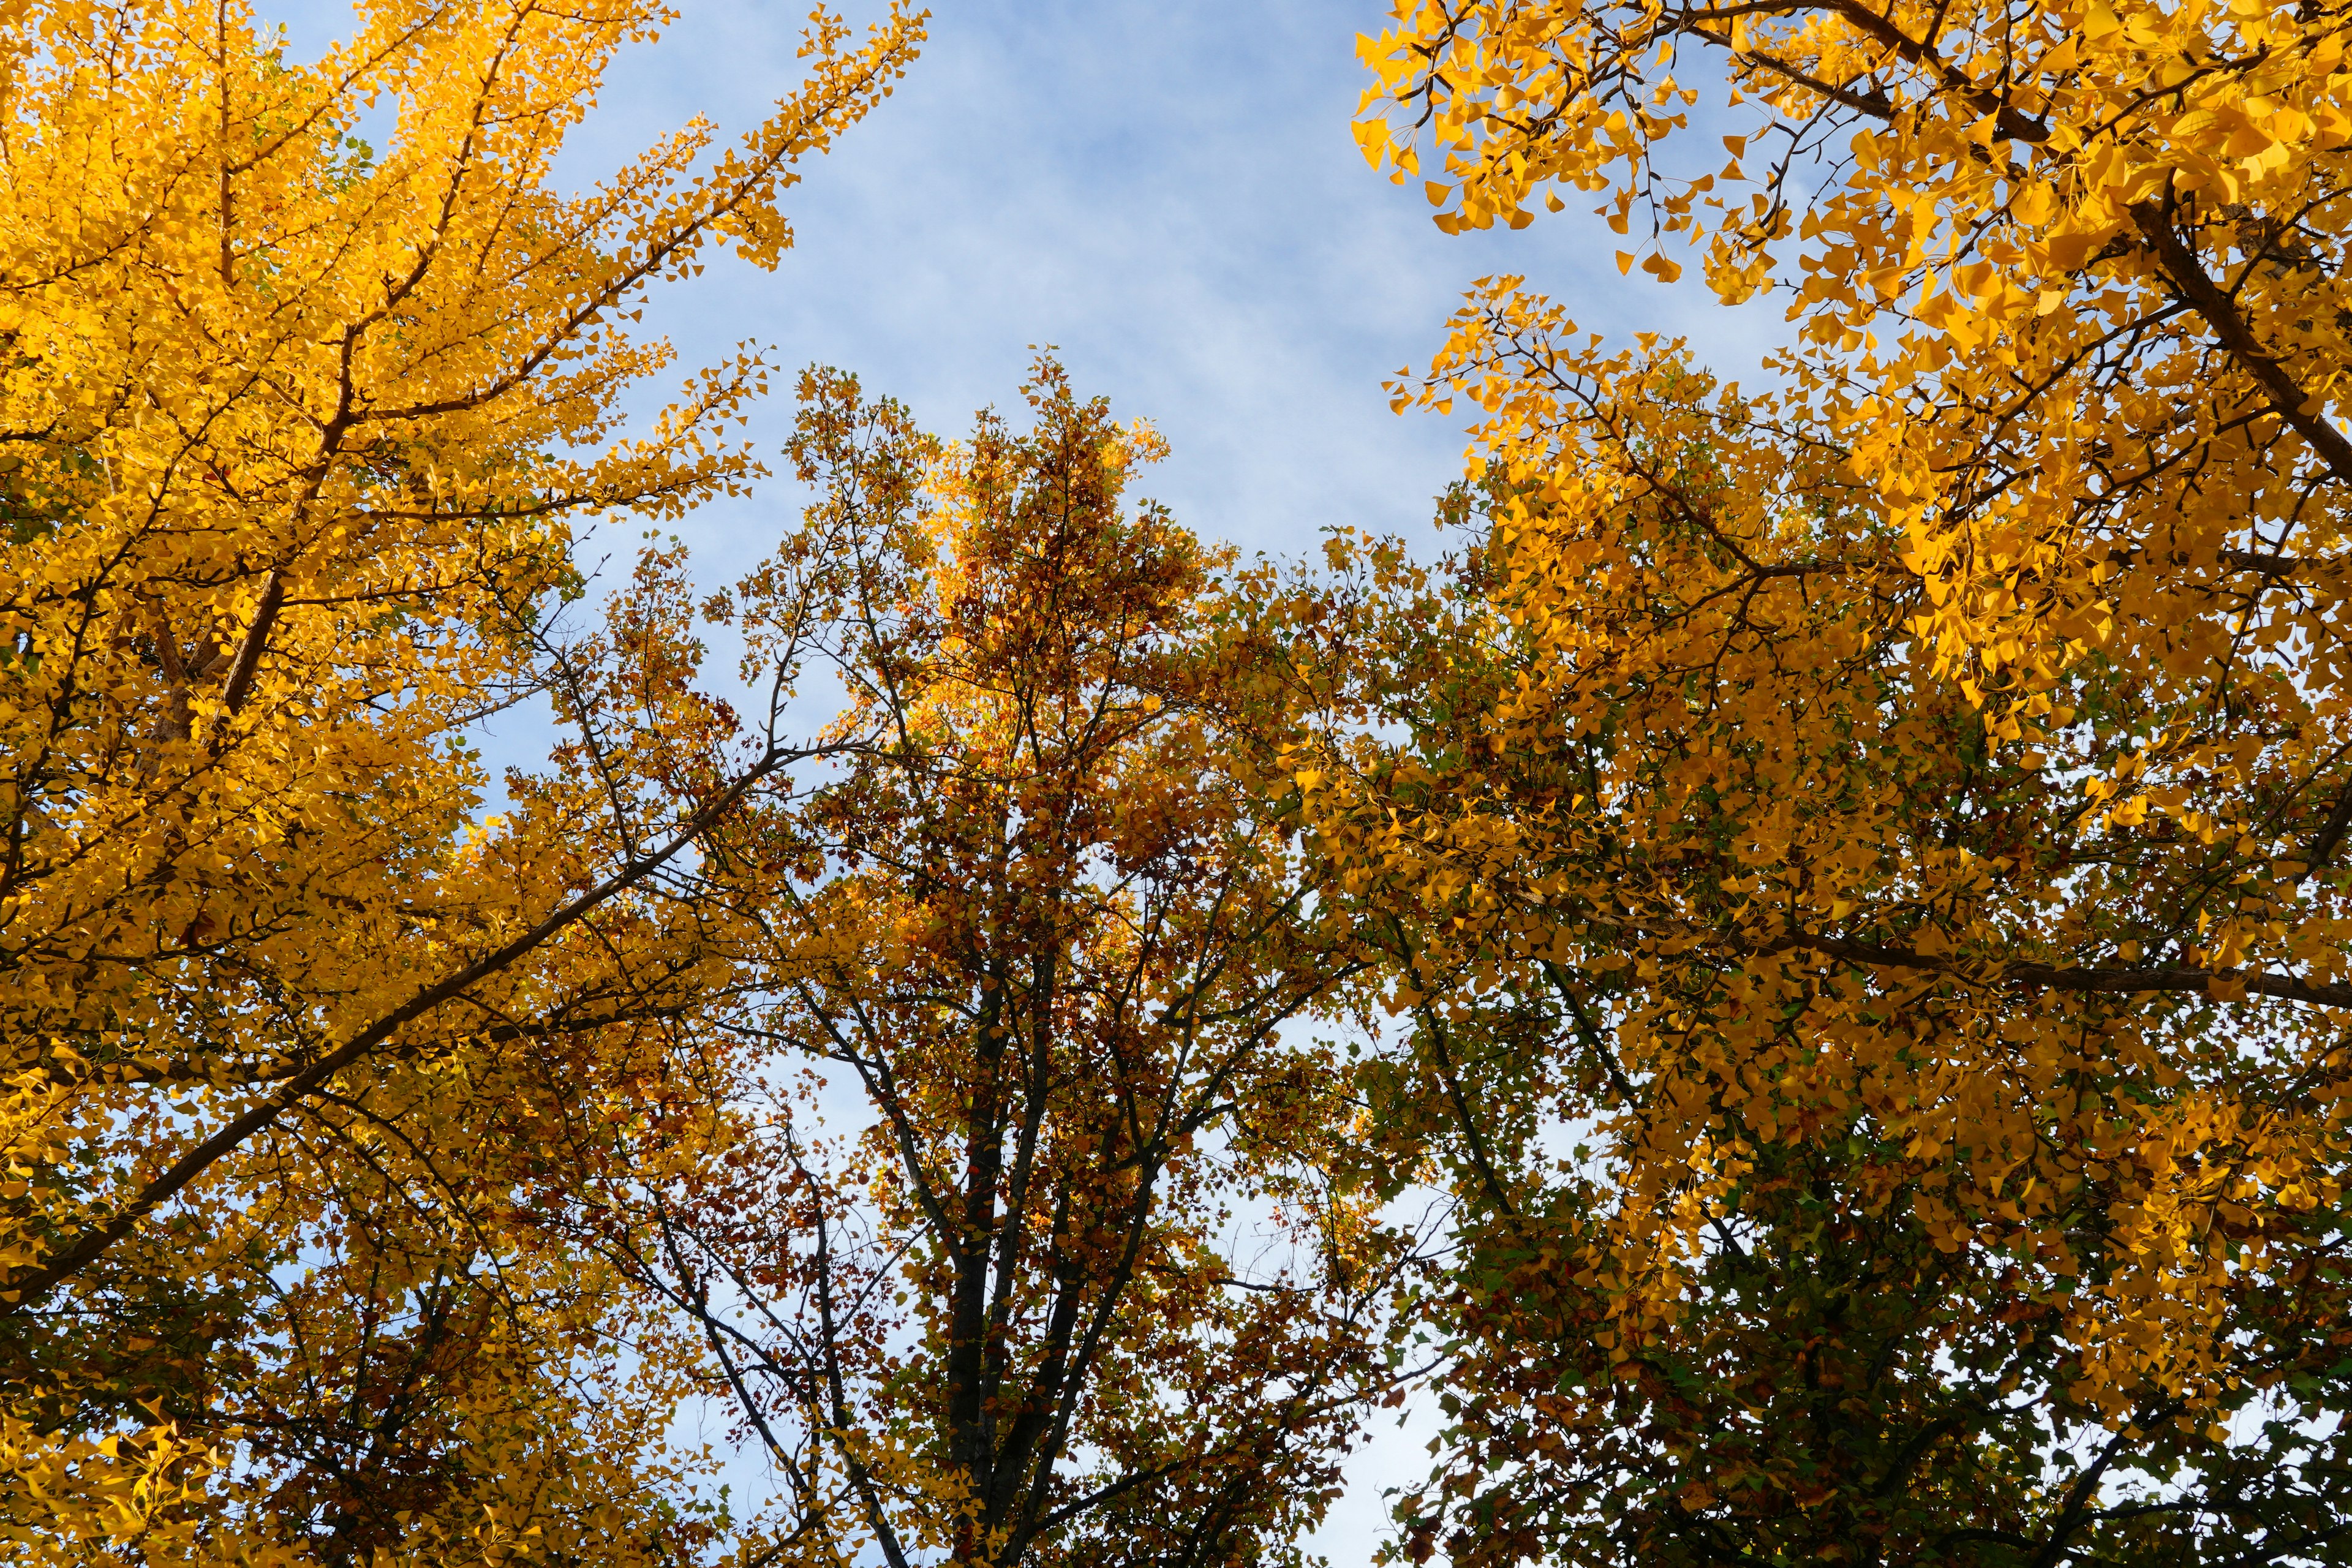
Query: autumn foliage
(1866, 856)
(1019, 1234)
(296, 429)
(1836, 889)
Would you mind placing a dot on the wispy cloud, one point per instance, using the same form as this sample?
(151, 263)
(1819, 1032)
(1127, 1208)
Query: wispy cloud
(1170, 195)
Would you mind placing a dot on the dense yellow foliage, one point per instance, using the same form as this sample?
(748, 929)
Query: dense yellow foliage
(1894, 813)
(293, 431)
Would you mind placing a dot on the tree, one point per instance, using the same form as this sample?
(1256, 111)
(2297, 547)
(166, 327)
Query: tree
(1890, 819)
(294, 436)
(1083, 1279)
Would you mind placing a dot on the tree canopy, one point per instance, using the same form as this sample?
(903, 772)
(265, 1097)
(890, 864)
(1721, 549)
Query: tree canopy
(1084, 1278)
(296, 430)
(1865, 856)
(1835, 889)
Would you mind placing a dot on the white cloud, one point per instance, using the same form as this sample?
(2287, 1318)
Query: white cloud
(1170, 195)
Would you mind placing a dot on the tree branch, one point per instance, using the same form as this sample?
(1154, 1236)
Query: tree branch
(23, 1290)
(2187, 277)
(2058, 977)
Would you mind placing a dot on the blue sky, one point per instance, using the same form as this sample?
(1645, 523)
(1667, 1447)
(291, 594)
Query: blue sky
(1169, 194)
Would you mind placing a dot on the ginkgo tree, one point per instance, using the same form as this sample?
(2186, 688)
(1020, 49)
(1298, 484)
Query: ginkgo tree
(1861, 853)
(294, 432)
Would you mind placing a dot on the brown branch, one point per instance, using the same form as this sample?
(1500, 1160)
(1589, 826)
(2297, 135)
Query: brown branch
(228, 251)
(1479, 1158)
(53, 1075)
(2329, 838)
(2062, 977)
(1875, 104)
(2267, 565)
(2186, 276)
(331, 446)
(2007, 121)
(256, 637)
(19, 1292)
